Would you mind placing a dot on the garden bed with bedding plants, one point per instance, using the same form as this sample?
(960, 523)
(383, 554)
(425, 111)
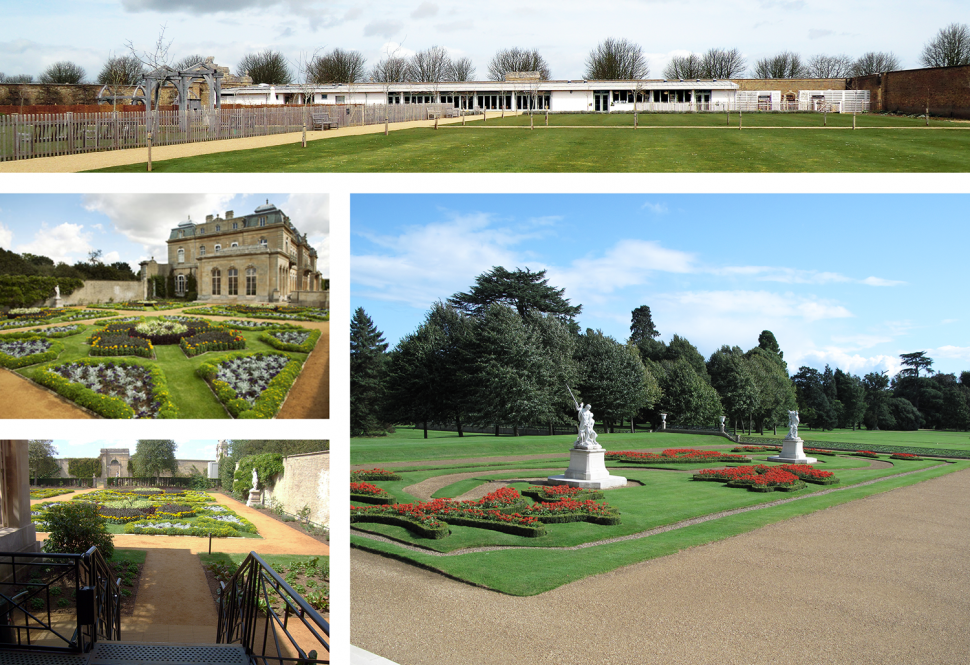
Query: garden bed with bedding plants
(31, 351)
(309, 576)
(252, 385)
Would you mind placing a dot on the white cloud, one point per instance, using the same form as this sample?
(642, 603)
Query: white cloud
(655, 208)
(879, 281)
(424, 10)
(6, 237)
(861, 341)
(110, 257)
(847, 361)
(385, 28)
(147, 218)
(65, 242)
(951, 352)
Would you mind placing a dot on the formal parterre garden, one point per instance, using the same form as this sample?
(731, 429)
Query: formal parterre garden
(167, 366)
(160, 511)
(528, 537)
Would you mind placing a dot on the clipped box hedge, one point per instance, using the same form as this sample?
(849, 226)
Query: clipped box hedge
(305, 347)
(12, 362)
(270, 400)
(415, 527)
(103, 405)
(212, 340)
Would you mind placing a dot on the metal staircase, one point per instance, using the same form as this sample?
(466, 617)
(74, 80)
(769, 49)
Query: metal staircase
(250, 630)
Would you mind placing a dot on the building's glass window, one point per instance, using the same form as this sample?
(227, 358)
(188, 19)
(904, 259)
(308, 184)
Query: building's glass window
(216, 282)
(262, 241)
(262, 221)
(218, 248)
(181, 234)
(235, 225)
(218, 228)
(201, 250)
(180, 284)
(235, 244)
(233, 282)
(250, 281)
(202, 231)
(181, 255)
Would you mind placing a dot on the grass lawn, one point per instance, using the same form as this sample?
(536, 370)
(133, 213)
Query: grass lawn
(608, 144)
(534, 565)
(190, 393)
(924, 438)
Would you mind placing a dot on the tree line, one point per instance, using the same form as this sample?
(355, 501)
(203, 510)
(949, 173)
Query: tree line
(503, 354)
(611, 59)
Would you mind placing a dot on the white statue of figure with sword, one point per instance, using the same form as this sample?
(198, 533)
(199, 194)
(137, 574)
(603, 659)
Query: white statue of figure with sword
(587, 434)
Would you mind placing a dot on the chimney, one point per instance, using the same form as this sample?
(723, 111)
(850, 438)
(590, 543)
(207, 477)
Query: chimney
(208, 218)
(229, 214)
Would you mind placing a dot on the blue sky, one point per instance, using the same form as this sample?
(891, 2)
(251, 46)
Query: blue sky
(848, 280)
(87, 33)
(134, 227)
(204, 449)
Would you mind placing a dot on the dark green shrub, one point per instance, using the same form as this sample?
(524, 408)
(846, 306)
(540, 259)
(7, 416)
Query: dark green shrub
(75, 527)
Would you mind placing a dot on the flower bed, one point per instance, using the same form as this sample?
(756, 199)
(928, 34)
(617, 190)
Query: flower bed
(261, 325)
(676, 456)
(251, 385)
(367, 493)
(757, 478)
(229, 519)
(114, 389)
(819, 451)
(52, 332)
(119, 344)
(810, 474)
(373, 474)
(265, 312)
(35, 313)
(755, 449)
(179, 528)
(560, 493)
(905, 456)
(125, 515)
(284, 340)
(867, 453)
(502, 510)
(23, 352)
(212, 340)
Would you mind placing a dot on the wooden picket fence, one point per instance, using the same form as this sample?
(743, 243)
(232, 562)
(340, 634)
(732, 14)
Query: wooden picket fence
(25, 136)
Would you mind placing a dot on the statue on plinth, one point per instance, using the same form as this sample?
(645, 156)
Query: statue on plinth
(792, 425)
(586, 440)
(255, 479)
(57, 291)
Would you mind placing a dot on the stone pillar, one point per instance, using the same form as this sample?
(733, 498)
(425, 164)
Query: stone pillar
(17, 533)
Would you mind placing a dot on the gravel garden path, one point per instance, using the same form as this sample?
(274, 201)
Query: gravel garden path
(880, 580)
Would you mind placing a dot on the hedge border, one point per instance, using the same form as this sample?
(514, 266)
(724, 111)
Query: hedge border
(269, 401)
(44, 357)
(841, 446)
(306, 347)
(409, 524)
(370, 498)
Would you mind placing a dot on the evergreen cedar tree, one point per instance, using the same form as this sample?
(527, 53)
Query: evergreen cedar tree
(524, 290)
(367, 374)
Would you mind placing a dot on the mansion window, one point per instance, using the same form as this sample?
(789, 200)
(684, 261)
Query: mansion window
(181, 234)
(250, 281)
(233, 282)
(262, 241)
(181, 254)
(218, 228)
(201, 250)
(202, 231)
(218, 248)
(235, 244)
(180, 284)
(216, 282)
(235, 225)
(262, 220)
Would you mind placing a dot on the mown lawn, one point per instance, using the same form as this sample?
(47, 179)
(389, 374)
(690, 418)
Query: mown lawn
(190, 393)
(924, 438)
(682, 143)
(666, 497)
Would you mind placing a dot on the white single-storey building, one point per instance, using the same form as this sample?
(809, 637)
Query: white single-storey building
(556, 96)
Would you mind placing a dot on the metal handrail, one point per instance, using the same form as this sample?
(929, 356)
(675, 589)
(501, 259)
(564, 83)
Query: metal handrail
(97, 610)
(246, 594)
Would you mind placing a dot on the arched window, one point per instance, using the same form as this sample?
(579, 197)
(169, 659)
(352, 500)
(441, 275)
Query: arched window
(262, 241)
(180, 284)
(218, 248)
(233, 282)
(250, 281)
(201, 250)
(216, 282)
(181, 254)
(235, 244)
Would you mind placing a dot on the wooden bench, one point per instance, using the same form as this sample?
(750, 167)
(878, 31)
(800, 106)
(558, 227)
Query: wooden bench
(323, 121)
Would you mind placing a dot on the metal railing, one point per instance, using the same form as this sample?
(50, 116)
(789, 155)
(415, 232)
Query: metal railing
(247, 617)
(27, 620)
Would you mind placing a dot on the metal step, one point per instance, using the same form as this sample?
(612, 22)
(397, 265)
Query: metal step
(135, 653)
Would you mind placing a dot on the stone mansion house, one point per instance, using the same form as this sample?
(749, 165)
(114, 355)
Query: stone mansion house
(256, 258)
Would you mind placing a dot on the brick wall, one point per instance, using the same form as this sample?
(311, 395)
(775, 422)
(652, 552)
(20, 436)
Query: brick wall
(947, 89)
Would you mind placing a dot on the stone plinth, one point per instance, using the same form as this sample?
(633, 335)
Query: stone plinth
(255, 496)
(792, 453)
(587, 469)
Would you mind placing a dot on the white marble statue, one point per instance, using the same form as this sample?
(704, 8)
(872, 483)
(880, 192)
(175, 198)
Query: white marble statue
(793, 424)
(587, 432)
(255, 479)
(57, 291)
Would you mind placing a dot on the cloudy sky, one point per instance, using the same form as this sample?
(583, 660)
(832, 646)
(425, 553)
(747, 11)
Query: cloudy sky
(81, 447)
(87, 33)
(847, 280)
(134, 227)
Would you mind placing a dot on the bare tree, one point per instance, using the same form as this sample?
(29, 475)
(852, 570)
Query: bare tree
(430, 65)
(785, 65)
(828, 66)
(722, 63)
(616, 60)
(517, 60)
(267, 66)
(875, 62)
(63, 72)
(304, 70)
(392, 68)
(153, 60)
(688, 66)
(339, 66)
(950, 47)
(188, 61)
(121, 70)
(16, 78)
(461, 69)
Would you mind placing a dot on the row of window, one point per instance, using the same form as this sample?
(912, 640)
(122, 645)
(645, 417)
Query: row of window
(232, 283)
(218, 248)
(235, 226)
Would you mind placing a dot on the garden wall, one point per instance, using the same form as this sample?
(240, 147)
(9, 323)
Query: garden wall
(945, 89)
(98, 291)
(305, 481)
(319, 299)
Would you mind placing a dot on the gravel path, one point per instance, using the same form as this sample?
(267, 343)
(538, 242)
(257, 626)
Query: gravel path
(879, 580)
